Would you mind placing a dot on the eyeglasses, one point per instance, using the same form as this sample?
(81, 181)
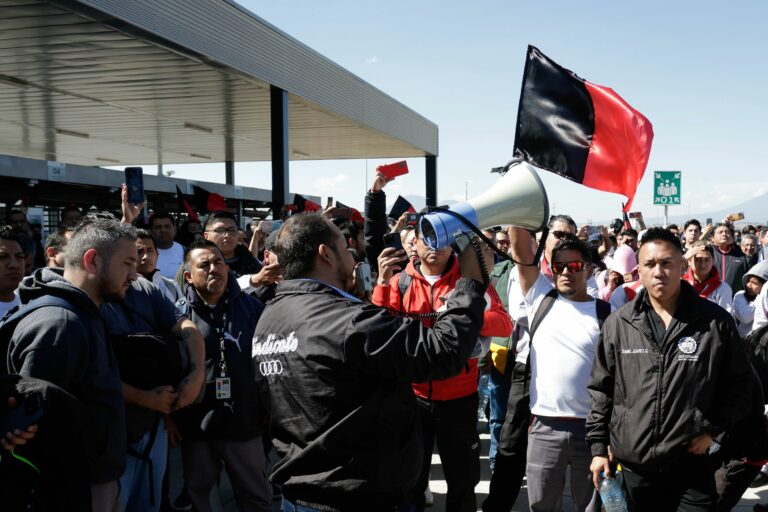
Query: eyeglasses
(225, 231)
(502, 242)
(572, 266)
(559, 234)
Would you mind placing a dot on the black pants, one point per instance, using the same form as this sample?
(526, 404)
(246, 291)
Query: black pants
(452, 424)
(509, 469)
(684, 485)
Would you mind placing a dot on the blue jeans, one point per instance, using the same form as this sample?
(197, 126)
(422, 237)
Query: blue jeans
(134, 484)
(499, 396)
(288, 506)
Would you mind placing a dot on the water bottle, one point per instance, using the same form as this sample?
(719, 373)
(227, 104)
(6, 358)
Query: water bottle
(612, 494)
(485, 395)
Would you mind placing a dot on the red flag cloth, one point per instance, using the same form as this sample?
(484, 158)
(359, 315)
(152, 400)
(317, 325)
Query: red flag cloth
(581, 131)
(208, 201)
(305, 205)
(184, 206)
(401, 206)
(354, 214)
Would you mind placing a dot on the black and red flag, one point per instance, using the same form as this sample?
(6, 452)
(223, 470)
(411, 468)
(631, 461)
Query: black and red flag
(184, 206)
(208, 201)
(354, 214)
(581, 131)
(401, 206)
(305, 205)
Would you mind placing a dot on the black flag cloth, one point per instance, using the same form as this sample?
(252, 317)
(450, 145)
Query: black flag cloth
(581, 131)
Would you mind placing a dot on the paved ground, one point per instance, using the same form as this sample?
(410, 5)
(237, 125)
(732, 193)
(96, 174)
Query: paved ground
(224, 500)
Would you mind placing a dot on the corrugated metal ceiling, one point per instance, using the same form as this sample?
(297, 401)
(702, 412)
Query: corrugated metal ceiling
(80, 91)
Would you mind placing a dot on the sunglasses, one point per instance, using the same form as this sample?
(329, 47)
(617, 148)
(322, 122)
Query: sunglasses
(572, 266)
(559, 234)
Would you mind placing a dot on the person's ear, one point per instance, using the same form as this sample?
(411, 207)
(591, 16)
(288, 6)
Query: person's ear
(327, 254)
(205, 235)
(187, 276)
(91, 261)
(50, 253)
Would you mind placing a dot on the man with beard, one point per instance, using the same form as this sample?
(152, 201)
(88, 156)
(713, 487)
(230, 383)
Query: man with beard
(64, 342)
(338, 371)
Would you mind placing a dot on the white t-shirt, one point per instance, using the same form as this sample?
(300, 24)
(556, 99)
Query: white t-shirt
(169, 260)
(561, 357)
(723, 297)
(432, 279)
(619, 295)
(6, 306)
(519, 312)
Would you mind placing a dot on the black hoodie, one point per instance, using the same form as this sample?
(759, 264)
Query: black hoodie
(69, 349)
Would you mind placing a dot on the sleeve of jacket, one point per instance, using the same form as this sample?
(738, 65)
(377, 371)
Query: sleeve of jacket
(733, 386)
(496, 320)
(387, 296)
(743, 310)
(375, 225)
(404, 350)
(601, 389)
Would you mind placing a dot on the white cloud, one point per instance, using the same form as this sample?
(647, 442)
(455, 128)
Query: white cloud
(372, 60)
(330, 185)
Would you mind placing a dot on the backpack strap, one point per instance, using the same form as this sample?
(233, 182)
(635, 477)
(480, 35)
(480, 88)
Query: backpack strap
(14, 316)
(603, 310)
(403, 283)
(546, 304)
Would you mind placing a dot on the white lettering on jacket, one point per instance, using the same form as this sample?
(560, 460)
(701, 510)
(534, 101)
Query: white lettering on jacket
(272, 345)
(634, 351)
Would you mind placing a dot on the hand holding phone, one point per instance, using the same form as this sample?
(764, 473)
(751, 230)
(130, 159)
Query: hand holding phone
(134, 180)
(391, 171)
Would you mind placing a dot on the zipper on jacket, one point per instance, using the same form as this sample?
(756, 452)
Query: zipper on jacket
(657, 419)
(431, 310)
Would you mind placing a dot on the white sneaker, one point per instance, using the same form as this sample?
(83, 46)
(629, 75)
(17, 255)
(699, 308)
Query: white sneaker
(429, 498)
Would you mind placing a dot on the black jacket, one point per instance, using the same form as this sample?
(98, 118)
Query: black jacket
(244, 263)
(243, 416)
(649, 401)
(70, 350)
(375, 226)
(731, 266)
(338, 372)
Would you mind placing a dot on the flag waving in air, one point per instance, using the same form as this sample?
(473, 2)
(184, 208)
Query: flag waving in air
(581, 131)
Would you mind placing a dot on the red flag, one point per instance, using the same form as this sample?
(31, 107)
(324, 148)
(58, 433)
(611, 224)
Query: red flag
(354, 214)
(401, 206)
(581, 131)
(305, 205)
(208, 201)
(184, 206)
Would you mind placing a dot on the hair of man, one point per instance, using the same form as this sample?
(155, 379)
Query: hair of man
(571, 242)
(567, 219)
(661, 235)
(96, 233)
(199, 243)
(218, 215)
(299, 240)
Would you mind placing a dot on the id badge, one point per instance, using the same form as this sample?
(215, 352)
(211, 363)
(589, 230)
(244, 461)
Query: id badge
(223, 391)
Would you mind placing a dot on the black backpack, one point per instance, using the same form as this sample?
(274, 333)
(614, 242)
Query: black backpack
(14, 316)
(757, 341)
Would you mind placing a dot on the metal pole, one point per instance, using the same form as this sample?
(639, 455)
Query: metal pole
(666, 216)
(279, 124)
(229, 172)
(431, 168)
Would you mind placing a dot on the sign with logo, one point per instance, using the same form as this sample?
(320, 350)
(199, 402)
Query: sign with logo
(57, 171)
(666, 187)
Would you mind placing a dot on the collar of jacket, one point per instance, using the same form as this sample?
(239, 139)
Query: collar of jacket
(304, 286)
(688, 311)
(501, 267)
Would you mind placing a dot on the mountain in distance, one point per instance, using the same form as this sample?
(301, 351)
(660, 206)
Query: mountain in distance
(755, 212)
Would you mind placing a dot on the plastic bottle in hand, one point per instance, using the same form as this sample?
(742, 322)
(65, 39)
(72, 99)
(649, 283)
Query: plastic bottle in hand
(612, 494)
(484, 393)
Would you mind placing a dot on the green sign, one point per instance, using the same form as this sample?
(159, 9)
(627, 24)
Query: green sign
(666, 187)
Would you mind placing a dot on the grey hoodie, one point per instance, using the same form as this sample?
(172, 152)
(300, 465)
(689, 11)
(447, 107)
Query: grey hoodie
(69, 349)
(760, 270)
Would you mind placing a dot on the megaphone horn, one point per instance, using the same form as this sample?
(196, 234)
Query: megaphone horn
(518, 198)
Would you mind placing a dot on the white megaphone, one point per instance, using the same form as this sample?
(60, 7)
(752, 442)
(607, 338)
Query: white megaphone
(517, 198)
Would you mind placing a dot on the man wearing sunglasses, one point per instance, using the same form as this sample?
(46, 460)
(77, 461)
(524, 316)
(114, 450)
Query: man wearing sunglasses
(510, 458)
(565, 323)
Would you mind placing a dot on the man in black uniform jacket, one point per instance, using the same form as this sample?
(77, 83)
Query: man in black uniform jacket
(338, 373)
(670, 374)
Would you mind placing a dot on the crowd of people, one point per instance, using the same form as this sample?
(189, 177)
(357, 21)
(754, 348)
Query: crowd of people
(264, 350)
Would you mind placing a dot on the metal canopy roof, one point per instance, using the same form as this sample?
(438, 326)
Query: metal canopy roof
(101, 82)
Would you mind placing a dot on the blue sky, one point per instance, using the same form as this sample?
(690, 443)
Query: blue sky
(697, 70)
